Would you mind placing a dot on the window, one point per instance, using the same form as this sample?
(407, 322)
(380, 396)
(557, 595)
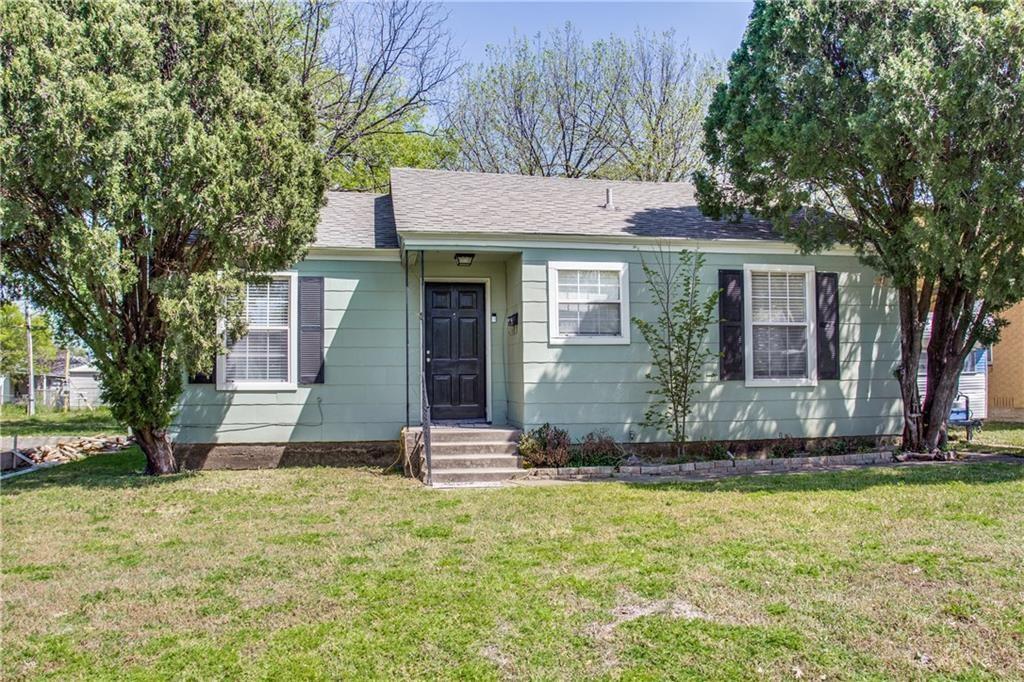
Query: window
(780, 341)
(588, 303)
(970, 362)
(264, 359)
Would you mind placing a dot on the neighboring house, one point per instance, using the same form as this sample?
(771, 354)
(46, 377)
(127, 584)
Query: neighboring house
(81, 389)
(6, 389)
(1006, 377)
(972, 390)
(530, 284)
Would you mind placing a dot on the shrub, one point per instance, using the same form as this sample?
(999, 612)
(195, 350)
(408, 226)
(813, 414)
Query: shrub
(545, 446)
(834, 447)
(597, 449)
(707, 450)
(786, 446)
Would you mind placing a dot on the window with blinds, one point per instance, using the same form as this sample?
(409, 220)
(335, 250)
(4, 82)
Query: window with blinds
(588, 302)
(780, 324)
(262, 355)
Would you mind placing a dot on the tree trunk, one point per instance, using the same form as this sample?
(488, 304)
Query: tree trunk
(910, 351)
(159, 451)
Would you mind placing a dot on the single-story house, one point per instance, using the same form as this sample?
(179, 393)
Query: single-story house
(510, 298)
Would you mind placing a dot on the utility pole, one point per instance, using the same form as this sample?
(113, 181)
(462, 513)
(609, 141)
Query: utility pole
(67, 379)
(31, 362)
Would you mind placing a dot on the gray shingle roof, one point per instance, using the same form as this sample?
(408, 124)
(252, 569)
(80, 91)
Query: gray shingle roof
(452, 201)
(508, 205)
(357, 220)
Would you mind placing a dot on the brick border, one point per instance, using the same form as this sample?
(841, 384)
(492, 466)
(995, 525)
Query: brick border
(717, 466)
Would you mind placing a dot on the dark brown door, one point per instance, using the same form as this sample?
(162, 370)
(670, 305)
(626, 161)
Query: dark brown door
(455, 339)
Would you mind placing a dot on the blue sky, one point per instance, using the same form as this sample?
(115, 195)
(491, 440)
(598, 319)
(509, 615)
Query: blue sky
(710, 27)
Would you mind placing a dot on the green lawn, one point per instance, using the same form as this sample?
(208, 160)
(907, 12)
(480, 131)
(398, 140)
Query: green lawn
(1001, 437)
(14, 421)
(345, 573)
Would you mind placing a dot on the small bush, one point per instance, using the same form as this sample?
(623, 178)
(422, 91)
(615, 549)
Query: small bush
(597, 449)
(707, 450)
(545, 446)
(786, 446)
(834, 447)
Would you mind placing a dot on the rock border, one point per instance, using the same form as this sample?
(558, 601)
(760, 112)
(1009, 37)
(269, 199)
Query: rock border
(723, 466)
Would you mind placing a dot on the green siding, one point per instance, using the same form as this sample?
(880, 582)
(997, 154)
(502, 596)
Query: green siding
(363, 397)
(363, 394)
(592, 387)
(582, 388)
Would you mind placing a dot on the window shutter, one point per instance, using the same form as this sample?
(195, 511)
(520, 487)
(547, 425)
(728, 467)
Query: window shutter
(827, 296)
(730, 324)
(311, 330)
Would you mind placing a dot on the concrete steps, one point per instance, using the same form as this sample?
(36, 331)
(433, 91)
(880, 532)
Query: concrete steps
(465, 456)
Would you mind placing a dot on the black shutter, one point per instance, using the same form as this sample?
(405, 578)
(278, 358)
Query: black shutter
(730, 324)
(311, 330)
(827, 295)
(203, 377)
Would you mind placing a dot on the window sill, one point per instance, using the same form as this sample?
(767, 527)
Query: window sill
(588, 340)
(791, 383)
(244, 386)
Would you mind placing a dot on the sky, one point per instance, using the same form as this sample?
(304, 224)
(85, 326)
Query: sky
(710, 27)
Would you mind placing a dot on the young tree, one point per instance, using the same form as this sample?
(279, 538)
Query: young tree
(153, 156)
(896, 127)
(676, 338)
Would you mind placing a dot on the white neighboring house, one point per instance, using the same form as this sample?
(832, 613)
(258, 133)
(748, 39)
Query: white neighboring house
(84, 386)
(82, 390)
(973, 379)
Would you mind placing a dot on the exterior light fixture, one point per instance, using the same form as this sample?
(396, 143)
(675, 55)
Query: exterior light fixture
(464, 260)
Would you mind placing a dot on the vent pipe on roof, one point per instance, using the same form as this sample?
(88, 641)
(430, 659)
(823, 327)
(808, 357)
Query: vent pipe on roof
(609, 202)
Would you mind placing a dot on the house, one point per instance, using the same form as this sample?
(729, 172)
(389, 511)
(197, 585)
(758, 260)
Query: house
(972, 388)
(509, 298)
(74, 383)
(1006, 375)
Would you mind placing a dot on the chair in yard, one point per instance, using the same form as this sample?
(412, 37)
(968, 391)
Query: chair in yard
(961, 415)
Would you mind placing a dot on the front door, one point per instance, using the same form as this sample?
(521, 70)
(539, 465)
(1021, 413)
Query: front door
(454, 354)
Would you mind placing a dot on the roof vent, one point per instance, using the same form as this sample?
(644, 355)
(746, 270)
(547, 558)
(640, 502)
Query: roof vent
(609, 202)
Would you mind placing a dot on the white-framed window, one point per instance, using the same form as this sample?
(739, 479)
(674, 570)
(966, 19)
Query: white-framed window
(970, 362)
(588, 303)
(779, 334)
(265, 358)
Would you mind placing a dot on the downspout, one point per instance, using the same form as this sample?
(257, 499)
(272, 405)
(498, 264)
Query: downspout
(405, 266)
(424, 400)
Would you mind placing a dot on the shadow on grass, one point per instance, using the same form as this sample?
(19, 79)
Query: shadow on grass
(116, 470)
(853, 479)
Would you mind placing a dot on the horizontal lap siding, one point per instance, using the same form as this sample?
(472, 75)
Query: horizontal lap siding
(586, 388)
(363, 395)
(974, 385)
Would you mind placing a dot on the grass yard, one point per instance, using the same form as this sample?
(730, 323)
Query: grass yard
(14, 421)
(905, 573)
(1001, 437)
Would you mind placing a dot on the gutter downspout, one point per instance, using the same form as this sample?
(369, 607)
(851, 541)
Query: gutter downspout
(424, 402)
(405, 266)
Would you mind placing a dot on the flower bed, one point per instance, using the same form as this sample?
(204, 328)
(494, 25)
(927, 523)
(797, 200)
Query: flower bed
(716, 466)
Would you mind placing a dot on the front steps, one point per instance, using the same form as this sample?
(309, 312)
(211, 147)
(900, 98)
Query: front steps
(469, 456)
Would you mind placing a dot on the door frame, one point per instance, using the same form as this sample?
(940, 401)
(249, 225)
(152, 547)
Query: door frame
(486, 281)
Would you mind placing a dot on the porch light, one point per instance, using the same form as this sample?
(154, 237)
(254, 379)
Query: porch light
(464, 260)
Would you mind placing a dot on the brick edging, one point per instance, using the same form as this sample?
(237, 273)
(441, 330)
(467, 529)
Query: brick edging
(716, 466)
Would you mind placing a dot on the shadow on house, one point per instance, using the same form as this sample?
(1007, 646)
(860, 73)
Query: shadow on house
(209, 456)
